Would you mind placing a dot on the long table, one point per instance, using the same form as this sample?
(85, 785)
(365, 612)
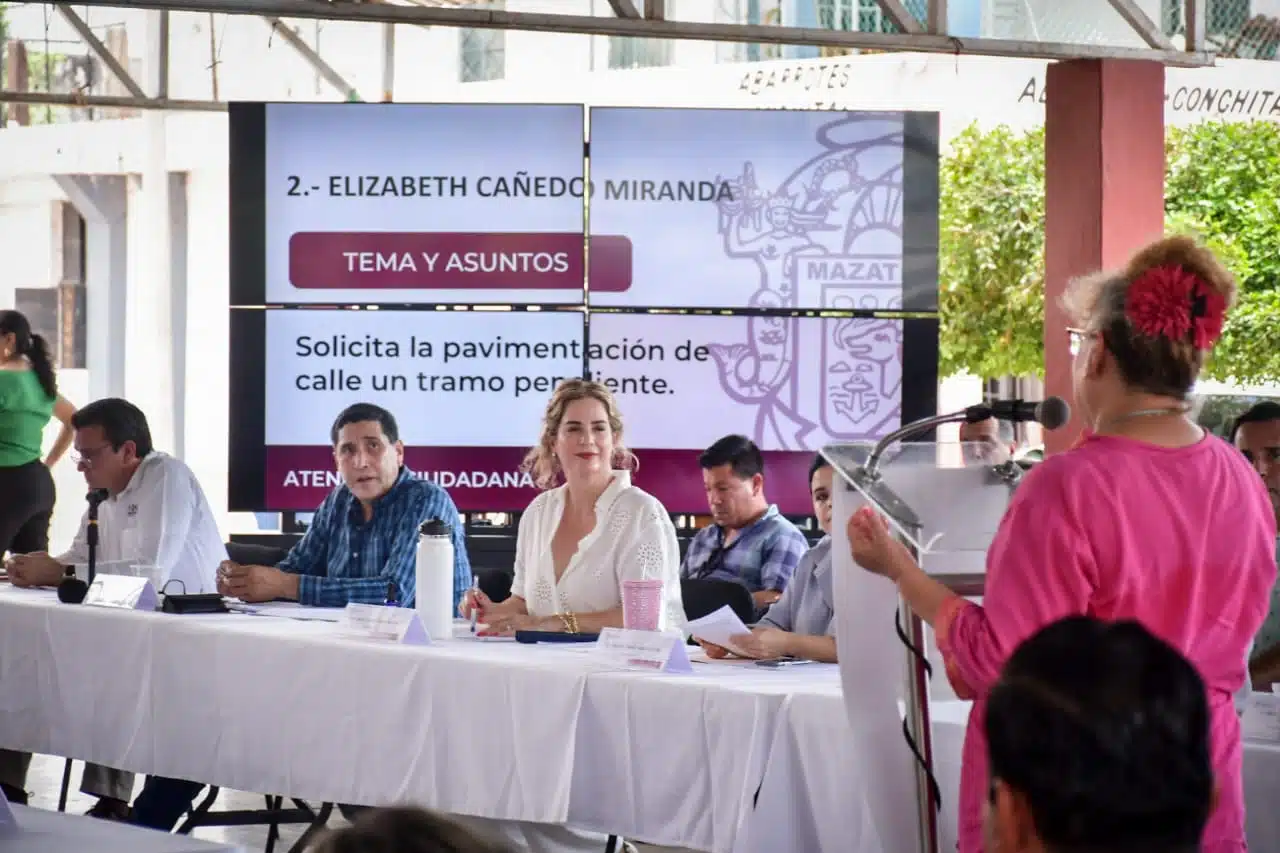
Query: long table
(492, 729)
(731, 759)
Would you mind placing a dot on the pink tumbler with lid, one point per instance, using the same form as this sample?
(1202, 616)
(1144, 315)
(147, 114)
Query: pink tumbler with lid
(642, 604)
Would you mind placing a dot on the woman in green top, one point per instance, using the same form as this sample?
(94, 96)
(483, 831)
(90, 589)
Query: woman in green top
(28, 398)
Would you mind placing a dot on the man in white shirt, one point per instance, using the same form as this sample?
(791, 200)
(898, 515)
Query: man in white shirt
(156, 515)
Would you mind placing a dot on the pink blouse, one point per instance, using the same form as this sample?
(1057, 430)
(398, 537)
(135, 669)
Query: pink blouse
(1182, 540)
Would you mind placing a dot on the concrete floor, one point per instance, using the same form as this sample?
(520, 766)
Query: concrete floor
(45, 780)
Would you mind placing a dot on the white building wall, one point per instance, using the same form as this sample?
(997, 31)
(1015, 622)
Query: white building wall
(27, 211)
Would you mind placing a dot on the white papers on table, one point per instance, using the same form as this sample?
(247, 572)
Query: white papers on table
(718, 627)
(287, 610)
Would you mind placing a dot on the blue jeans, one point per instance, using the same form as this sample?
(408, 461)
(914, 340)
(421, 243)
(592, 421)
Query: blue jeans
(163, 802)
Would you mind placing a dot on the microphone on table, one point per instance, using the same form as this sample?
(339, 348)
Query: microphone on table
(1050, 413)
(72, 590)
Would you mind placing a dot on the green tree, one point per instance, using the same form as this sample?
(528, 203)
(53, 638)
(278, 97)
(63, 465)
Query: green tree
(1223, 184)
(991, 294)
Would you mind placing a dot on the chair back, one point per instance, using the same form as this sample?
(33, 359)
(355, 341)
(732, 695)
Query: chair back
(704, 596)
(250, 554)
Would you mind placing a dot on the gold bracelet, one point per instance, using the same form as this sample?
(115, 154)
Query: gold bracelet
(570, 622)
(564, 619)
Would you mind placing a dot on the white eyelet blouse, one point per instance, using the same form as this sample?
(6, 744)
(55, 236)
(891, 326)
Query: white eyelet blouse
(633, 539)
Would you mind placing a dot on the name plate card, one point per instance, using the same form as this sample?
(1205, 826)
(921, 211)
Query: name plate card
(400, 625)
(122, 592)
(651, 650)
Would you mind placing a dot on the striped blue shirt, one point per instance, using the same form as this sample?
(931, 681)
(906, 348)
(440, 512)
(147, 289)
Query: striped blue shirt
(763, 556)
(342, 558)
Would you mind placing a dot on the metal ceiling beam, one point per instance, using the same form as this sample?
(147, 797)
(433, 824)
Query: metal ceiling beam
(314, 59)
(655, 10)
(895, 11)
(936, 20)
(388, 63)
(624, 9)
(643, 28)
(126, 102)
(162, 58)
(95, 44)
(1193, 21)
(1142, 25)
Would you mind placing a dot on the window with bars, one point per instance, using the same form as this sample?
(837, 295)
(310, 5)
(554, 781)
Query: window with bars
(482, 54)
(1223, 18)
(630, 52)
(759, 12)
(863, 15)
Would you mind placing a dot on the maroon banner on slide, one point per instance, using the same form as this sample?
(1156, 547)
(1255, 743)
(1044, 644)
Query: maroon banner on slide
(455, 261)
(488, 479)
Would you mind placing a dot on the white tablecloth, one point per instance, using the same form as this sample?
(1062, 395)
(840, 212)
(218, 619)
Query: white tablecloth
(501, 730)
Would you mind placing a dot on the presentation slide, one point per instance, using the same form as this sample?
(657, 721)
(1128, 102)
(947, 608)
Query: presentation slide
(790, 383)
(766, 209)
(429, 203)
(468, 390)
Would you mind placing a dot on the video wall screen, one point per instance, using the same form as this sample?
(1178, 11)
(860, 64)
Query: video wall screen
(770, 209)
(433, 259)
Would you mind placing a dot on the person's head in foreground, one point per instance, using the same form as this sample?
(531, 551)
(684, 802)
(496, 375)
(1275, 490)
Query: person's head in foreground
(1257, 435)
(367, 450)
(1098, 738)
(1140, 336)
(406, 830)
(581, 437)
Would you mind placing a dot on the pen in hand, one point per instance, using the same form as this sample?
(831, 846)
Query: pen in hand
(475, 600)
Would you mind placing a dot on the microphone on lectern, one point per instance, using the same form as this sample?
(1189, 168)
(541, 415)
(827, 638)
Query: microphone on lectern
(72, 590)
(1050, 413)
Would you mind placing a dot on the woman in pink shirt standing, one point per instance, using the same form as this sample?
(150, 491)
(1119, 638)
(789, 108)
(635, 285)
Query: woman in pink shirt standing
(1148, 518)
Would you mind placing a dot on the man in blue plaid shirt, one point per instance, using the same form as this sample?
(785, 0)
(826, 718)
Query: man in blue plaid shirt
(749, 541)
(364, 537)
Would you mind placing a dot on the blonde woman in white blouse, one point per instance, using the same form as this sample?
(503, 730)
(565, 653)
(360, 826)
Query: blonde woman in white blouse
(577, 543)
(580, 540)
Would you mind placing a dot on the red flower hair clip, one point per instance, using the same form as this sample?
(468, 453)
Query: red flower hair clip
(1170, 301)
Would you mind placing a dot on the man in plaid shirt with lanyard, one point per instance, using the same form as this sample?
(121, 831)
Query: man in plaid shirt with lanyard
(748, 541)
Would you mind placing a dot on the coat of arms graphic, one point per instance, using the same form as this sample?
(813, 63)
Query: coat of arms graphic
(828, 236)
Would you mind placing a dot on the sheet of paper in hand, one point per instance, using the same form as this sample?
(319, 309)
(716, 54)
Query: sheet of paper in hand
(718, 627)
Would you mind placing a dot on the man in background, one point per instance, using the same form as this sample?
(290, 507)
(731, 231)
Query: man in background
(155, 514)
(363, 540)
(364, 536)
(1257, 435)
(993, 440)
(748, 541)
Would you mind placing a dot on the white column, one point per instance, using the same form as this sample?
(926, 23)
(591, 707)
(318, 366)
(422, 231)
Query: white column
(149, 344)
(205, 426)
(101, 201)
